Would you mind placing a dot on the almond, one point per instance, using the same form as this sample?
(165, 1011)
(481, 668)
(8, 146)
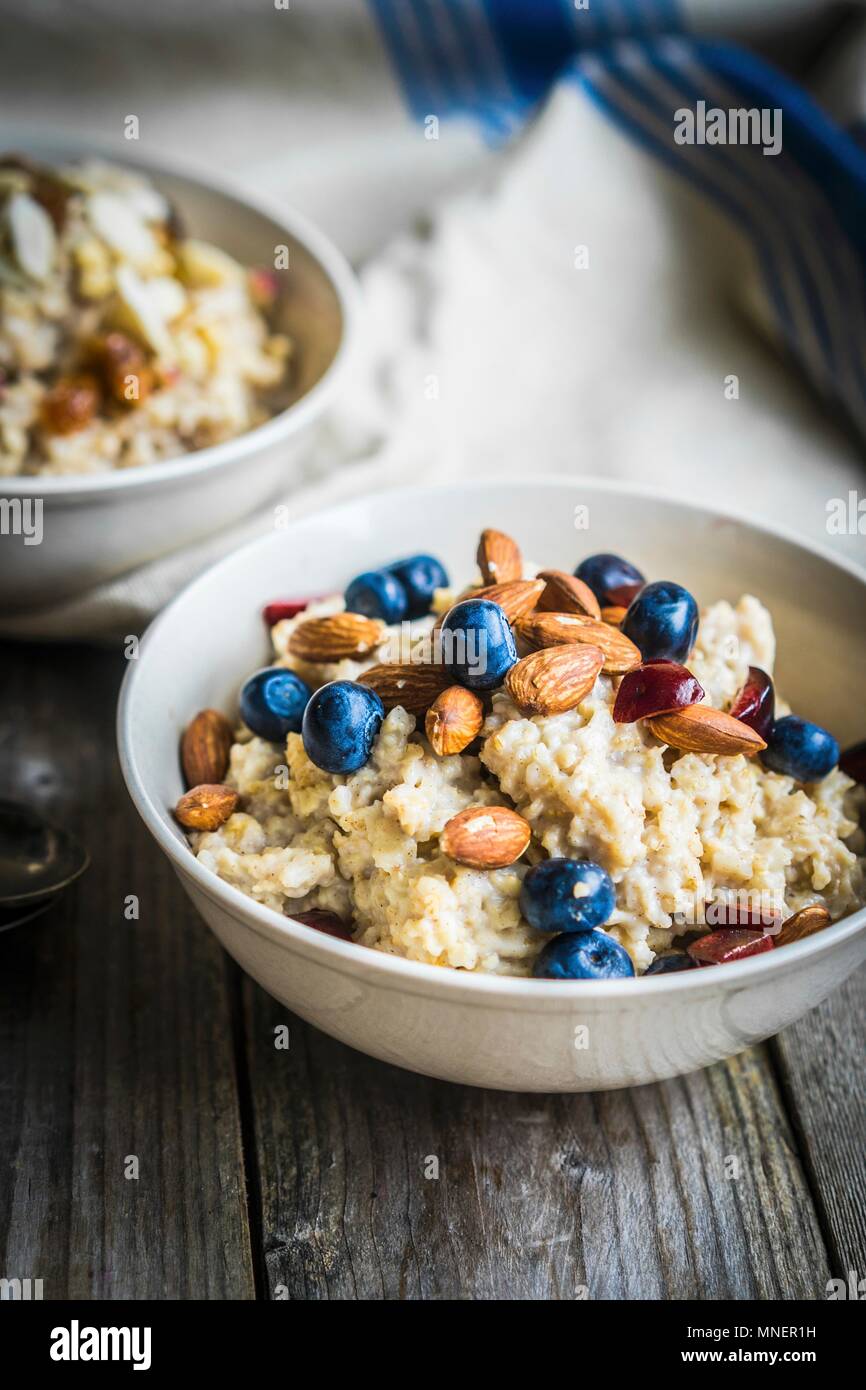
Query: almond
(803, 924)
(700, 729)
(516, 598)
(414, 685)
(205, 748)
(613, 615)
(336, 637)
(485, 837)
(499, 558)
(206, 807)
(564, 593)
(554, 679)
(552, 629)
(453, 720)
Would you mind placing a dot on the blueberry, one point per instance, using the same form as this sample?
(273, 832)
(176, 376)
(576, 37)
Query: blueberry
(567, 895)
(378, 594)
(613, 580)
(667, 965)
(662, 621)
(478, 644)
(340, 725)
(420, 575)
(583, 955)
(800, 749)
(273, 702)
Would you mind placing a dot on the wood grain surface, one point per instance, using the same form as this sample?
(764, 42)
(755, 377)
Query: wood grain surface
(314, 1172)
(693, 1188)
(116, 1035)
(821, 1070)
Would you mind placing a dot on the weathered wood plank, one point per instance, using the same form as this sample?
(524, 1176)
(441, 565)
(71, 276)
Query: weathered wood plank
(688, 1189)
(821, 1068)
(116, 1040)
(115, 1035)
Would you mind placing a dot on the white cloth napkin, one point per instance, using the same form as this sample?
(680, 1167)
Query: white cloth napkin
(496, 345)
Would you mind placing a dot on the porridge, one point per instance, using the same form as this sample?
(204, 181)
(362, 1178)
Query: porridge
(122, 341)
(573, 776)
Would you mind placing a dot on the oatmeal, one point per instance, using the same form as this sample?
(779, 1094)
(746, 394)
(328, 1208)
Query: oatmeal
(622, 840)
(122, 341)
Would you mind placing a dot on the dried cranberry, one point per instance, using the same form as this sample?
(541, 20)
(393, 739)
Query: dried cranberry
(853, 761)
(656, 687)
(284, 608)
(729, 944)
(327, 922)
(621, 595)
(723, 914)
(756, 703)
(264, 286)
(614, 581)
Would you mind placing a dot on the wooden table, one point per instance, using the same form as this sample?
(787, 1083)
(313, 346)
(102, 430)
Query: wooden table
(301, 1174)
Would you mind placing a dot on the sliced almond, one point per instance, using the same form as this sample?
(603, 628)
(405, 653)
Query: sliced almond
(139, 310)
(335, 637)
(485, 837)
(552, 629)
(205, 748)
(564, 593)
(613, 615)
(204, 266)
(700, 729)
(499, 558)
(554, 679)
(803, 923)
(453, 720)
(34, 241)
(414, 685)
(206, 807)
(169, 298)
(115, 219)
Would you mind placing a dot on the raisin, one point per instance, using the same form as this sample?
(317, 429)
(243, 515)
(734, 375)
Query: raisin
(124, 368)
(70, 405)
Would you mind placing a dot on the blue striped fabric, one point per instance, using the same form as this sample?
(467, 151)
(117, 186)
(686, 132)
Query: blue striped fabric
(496, 59)
(804, 209)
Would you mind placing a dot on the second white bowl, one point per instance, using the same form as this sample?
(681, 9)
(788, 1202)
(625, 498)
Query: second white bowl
(100, 525)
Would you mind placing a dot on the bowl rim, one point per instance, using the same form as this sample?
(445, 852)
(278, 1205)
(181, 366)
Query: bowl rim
(417, 977)
(292, 419)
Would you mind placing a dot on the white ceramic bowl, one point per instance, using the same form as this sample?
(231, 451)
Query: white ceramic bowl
(99, 525)
(484, 1030)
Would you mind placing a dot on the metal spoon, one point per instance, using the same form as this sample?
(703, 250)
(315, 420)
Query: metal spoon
(37, 859)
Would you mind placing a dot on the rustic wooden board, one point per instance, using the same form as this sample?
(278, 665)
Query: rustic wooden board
(116, 1036)
(618, 1195)
(821, 1070)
